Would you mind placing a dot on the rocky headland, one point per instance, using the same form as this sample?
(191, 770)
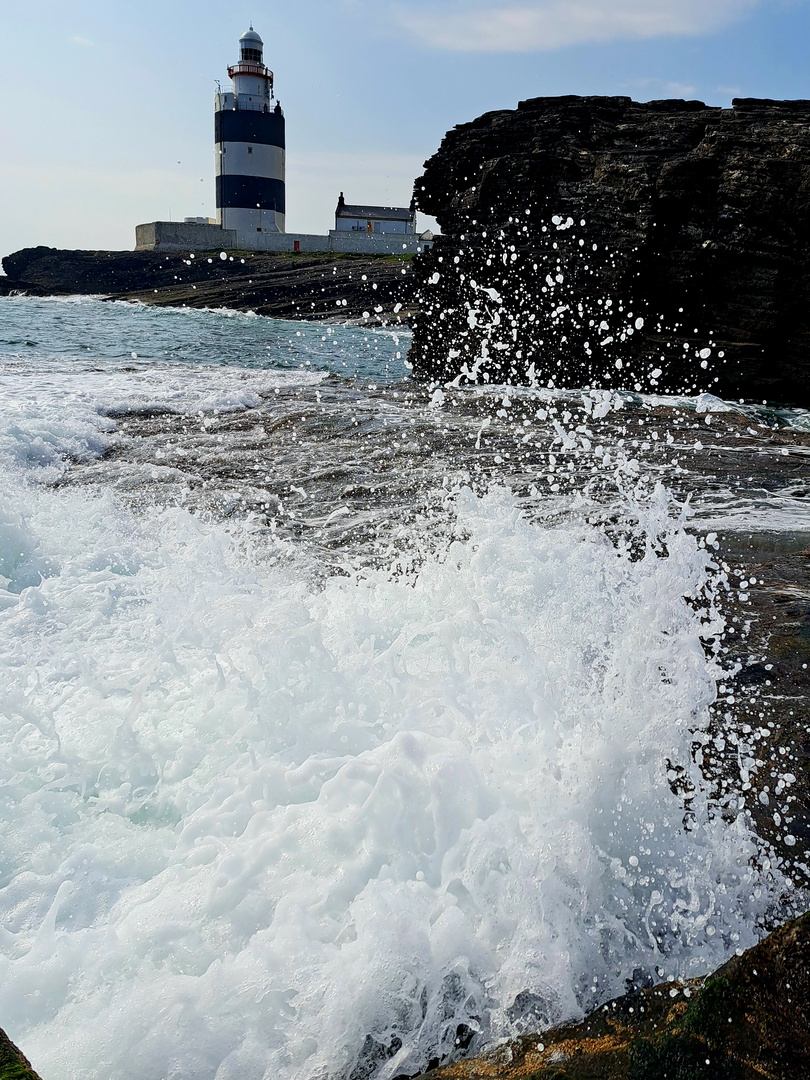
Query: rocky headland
(370, 288)
(598, 241)
(586, 241)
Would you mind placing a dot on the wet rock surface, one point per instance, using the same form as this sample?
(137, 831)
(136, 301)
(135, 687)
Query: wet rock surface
(578, 210)
(750, 1019)
(11, 287)
(294, 286)
(766, 707)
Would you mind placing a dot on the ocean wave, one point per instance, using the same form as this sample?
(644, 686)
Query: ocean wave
(256, 824)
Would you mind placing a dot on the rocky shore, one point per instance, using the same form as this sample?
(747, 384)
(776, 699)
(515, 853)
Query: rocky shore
(595, 241)
(598, 241)
(750, 1020)
(368, 288)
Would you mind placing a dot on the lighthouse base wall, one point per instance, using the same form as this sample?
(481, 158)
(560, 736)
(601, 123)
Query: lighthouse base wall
(182, 236)
(186, 236)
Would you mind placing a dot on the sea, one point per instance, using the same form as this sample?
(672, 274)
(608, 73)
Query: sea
(349, 724)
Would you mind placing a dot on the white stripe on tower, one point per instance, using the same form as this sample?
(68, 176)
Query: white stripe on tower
(254, 159)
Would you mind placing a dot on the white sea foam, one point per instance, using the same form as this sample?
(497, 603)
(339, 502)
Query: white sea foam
(64, 410)
(251, 826)
(785, 512)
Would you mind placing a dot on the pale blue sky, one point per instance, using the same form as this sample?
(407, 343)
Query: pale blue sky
(106, 118)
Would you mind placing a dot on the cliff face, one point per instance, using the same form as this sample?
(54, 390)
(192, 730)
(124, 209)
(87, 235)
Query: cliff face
(695, 220)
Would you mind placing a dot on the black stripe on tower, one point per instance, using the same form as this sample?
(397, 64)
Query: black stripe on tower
(235, 125)
(250, 193)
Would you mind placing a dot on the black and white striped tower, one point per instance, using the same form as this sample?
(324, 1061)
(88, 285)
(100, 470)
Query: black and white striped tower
(250, 148)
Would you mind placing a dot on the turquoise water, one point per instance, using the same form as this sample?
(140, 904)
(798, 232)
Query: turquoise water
(95, 331)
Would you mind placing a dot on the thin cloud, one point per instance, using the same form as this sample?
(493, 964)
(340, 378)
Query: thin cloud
(680, 89)
(85, 43)
(658, 87)
(470, 26)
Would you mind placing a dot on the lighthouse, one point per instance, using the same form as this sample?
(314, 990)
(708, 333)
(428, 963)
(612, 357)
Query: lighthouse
(250, 148)
(250, 197)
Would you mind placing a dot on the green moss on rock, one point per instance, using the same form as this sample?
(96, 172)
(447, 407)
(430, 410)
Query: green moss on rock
(716, 1012)
(14, 1065)
(679, 1057)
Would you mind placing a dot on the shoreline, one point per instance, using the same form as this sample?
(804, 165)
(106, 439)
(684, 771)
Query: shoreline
(370, 289)
(748, 1019)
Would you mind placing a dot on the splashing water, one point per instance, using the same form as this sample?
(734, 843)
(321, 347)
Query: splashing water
(541, 304)
(257, 821)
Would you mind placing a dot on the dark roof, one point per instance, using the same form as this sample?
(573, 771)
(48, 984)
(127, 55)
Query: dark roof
(378, 213)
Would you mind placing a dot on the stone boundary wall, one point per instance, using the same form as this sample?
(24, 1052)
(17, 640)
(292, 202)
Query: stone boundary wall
(186, 236)
(182, 236)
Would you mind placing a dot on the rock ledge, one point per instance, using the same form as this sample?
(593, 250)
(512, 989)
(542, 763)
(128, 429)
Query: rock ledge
(750, 1020)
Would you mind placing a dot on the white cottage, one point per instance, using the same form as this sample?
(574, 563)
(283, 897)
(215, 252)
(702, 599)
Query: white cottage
(354, 218)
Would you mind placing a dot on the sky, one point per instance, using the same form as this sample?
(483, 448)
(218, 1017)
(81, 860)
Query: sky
(106, 116)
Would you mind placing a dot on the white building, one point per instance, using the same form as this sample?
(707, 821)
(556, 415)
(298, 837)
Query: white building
(356, 218)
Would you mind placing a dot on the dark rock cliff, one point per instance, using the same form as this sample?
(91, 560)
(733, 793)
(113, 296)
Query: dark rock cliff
(569, 220)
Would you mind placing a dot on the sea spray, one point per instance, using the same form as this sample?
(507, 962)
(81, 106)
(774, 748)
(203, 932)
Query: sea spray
(254, 825)
(535, 301)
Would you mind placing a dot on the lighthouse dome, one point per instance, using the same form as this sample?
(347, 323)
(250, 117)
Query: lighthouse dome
(250, 46)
